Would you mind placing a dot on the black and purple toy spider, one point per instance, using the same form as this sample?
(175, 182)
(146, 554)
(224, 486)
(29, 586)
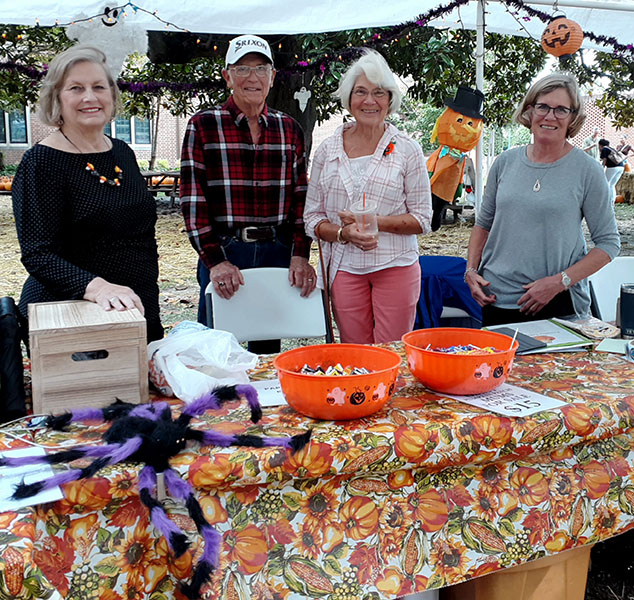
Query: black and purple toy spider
(148, 434)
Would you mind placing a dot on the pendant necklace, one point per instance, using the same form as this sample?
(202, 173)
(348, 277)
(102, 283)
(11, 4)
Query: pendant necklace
(538, 182)
(115, 182)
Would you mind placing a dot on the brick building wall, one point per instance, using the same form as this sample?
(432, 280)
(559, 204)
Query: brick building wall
(172, 131)
(170, 140)
(606, 129)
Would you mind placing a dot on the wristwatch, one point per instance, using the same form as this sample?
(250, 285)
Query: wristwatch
(565, 280)
(339, 238)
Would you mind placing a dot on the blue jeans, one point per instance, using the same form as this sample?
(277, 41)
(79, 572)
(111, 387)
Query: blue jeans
(247, 255)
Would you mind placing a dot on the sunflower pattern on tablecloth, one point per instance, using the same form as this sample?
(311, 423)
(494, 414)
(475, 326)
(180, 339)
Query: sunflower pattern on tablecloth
(423, 494)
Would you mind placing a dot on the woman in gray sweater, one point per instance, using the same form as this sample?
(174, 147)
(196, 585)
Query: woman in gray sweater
(527, 257)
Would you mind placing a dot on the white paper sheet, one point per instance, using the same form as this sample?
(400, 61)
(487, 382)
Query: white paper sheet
(12, 476)
(511, 401)
(269, 392)
(612, 345)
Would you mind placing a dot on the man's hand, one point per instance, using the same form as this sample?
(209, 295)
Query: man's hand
(226, 278)
(111, 295)
(302, 275)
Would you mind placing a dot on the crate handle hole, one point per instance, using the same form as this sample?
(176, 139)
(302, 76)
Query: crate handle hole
(90, 355)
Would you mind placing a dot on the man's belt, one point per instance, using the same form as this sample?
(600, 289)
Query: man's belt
(265, 233)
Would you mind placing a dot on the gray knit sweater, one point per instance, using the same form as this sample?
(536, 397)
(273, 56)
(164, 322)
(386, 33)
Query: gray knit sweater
(537, 234)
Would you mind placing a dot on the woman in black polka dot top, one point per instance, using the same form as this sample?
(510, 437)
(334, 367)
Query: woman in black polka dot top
(84, 217)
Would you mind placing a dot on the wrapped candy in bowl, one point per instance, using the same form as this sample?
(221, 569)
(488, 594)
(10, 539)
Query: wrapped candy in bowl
(460, 361)
(337, 381)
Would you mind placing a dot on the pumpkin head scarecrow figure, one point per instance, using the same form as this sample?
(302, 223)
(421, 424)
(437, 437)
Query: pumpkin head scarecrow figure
(458, 130)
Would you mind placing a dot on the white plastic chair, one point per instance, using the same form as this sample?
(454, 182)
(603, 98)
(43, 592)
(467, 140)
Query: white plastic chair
(267, 307)
(605, 286)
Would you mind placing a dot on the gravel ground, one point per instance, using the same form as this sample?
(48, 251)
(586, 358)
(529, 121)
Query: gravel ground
(179, 290)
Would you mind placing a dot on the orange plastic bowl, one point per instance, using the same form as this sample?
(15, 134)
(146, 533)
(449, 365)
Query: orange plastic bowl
(460, 374)
(338, 397)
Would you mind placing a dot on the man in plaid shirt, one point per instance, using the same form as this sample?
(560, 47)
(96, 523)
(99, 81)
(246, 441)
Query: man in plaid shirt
(243, 183)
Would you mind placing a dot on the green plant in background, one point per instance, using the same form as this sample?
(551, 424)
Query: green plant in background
(144, 165)
(418, 119)
(496, 139)
(31, 48)
(163, 164)
(9, 170)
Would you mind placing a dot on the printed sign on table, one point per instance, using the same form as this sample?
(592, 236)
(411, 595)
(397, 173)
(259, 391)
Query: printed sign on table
(511, 401)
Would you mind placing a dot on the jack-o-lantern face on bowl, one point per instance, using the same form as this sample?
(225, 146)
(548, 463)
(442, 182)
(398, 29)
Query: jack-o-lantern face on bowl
(562, 36)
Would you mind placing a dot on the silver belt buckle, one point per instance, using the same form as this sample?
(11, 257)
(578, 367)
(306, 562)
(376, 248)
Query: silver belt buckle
(244, 232)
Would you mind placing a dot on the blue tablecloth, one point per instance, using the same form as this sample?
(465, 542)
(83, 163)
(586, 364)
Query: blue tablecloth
(441, 285)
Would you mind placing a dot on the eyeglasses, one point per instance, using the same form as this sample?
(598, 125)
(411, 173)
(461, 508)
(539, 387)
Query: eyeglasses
(560, 112)
(243, 71)
(377, 94)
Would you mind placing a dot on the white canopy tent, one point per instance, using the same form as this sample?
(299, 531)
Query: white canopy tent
(614, 18)
(607, 18)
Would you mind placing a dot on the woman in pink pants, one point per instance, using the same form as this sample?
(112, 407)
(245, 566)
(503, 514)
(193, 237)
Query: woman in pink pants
(374, 278)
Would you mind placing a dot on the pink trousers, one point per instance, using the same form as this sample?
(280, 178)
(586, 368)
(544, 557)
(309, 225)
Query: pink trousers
(376, 307)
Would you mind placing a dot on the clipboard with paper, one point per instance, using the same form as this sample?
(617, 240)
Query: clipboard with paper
(555, 336)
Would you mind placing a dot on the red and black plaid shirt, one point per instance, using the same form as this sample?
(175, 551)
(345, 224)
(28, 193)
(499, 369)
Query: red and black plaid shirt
(227, 182)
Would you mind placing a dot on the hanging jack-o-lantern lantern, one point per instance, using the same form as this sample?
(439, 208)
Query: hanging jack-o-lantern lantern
(562, 37)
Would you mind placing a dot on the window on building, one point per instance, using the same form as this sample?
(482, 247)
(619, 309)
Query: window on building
(141, 131)
(14, 127)
(132, 130)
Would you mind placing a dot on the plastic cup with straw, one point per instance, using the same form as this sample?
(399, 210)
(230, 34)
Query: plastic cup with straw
(365, 215)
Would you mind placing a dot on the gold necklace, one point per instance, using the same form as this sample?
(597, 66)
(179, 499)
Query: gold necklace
(115, 182)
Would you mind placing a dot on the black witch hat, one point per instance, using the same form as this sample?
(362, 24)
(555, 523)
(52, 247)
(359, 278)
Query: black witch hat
(467, 102)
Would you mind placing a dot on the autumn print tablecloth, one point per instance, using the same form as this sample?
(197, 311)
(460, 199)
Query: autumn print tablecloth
(424, 494)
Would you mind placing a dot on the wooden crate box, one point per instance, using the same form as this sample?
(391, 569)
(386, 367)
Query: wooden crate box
(114, 343)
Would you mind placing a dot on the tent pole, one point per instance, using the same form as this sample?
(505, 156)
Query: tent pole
(480, 85)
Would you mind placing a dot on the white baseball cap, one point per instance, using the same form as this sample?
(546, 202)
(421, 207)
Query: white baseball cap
(246, 44)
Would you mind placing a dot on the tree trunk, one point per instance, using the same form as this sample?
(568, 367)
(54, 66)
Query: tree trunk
(154, 129)
(282, 96)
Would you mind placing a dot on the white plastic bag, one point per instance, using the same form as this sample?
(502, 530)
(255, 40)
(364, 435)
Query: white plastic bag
(193, 360)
